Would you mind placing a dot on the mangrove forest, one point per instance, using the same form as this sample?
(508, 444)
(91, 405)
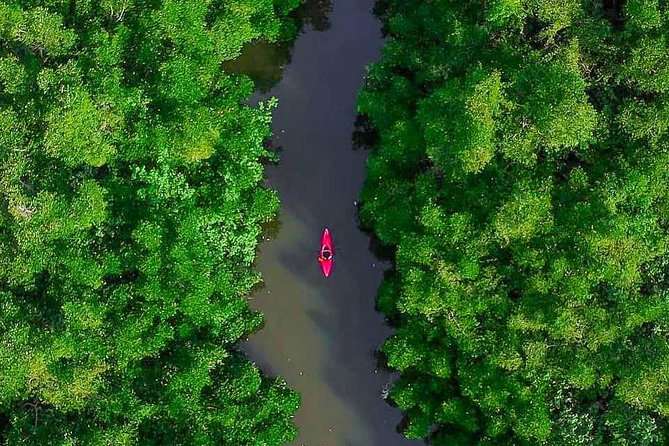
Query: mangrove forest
(334, 222)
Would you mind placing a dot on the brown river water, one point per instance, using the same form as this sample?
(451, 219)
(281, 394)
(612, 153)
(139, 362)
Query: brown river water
(321, 334)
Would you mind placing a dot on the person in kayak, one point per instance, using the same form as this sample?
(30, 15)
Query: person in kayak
(326, 254)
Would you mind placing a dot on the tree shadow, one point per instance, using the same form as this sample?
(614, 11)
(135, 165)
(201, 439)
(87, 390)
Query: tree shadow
(316, 13)
(364, 135)
(264, 62)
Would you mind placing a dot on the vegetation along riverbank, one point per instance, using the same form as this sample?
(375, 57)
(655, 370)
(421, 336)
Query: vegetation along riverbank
(521, 176)
(130, 209)
(518, 176)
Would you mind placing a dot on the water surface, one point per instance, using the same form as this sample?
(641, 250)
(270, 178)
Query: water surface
(321, 335)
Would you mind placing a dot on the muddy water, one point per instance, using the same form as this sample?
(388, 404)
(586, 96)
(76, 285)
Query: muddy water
(320, 335)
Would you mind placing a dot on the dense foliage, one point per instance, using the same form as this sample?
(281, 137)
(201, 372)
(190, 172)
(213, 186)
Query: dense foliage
(522, 173)
(130, 208)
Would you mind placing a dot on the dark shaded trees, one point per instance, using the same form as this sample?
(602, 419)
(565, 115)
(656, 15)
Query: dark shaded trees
(521, 172)
(130, 208)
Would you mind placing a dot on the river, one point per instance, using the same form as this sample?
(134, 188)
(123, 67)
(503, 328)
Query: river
(321, 334)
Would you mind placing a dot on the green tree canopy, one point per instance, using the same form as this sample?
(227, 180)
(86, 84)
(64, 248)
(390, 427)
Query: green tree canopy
(521, 173)
(130, 208)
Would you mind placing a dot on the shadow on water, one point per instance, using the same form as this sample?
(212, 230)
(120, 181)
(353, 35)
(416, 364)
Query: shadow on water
(384, 253)
(316, 13)
(264, 61)
(364, 135)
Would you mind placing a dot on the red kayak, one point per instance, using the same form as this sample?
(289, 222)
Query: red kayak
(326, 257)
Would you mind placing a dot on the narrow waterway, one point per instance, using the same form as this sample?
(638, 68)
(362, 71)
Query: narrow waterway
(321, 335)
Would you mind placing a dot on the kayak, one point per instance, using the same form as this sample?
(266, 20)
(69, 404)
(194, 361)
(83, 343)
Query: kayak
(326, 257)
